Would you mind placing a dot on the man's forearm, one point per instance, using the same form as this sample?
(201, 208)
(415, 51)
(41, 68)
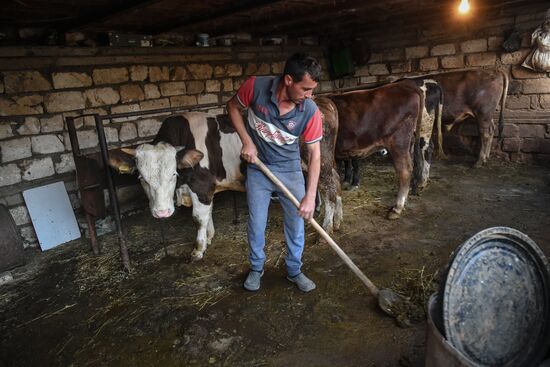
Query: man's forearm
(238, 122)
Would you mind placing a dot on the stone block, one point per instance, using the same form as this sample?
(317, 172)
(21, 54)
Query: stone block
(6, 130)
(125, 108)
(148, 127)
(495, 43)
(364, 80)
(154, 104)
(16, 199)
(518, 102)
(128, 131)
(195, 87)
(207, 98)
(20, 106)
(362, 71)
(228, 70)
(25, 81)
(51, 124)
(29, 237)
(86, 139)
(277, 67)
(513, 58)
(511, 144)
(532, 131)
(132, 93)
(15, 149)
(253, 68)
(172, 89)
(510, 131)
(213, 86)
(47, 144)
(139, 73)
(478, 45)
(64, 101)
(20, 215)
(37, 168)
(64, 80)
(443, 50)
(520, 72)
(159, 73)
(151, 91)
(31, 126)
(393, 54)
(200, 71)
(430, 63)
(65, 164)
(183, 101)
(227, 85)
(101, 97)
(378, 69)
(401, 67)
(376, 58)
(110, 76)
(545, 101)
(416, 52)
(9, 174)
(217, 111)
(482, 59)
(179, 73)
(535, 145)
(452, 62)
(111, 135)
(531, 86)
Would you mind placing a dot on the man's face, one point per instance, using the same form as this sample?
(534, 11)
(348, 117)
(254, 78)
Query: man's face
(299, 91)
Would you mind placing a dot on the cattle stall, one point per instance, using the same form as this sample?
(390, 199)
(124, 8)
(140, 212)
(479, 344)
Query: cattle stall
(444, 105)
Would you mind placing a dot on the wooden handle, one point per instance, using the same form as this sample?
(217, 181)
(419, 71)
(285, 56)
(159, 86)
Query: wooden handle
(370, 285)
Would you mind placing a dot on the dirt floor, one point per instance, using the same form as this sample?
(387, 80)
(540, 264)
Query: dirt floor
(67, 307)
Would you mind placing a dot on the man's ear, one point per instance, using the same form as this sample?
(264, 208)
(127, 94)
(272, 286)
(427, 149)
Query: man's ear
(189, 159)
(288, 80)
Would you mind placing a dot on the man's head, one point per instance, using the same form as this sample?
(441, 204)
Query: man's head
(301, 75)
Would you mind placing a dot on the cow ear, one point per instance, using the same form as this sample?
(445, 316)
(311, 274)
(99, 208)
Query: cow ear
(121, 162)
(190, 159)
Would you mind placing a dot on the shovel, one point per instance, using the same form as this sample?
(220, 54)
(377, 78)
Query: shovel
(390, 302)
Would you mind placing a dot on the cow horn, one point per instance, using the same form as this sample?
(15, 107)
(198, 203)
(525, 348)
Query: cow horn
(179, 148)
(129, 151)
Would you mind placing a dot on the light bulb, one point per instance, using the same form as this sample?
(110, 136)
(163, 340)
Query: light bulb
(464, 7)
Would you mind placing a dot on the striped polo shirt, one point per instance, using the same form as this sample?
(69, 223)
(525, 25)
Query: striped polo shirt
(277, 137)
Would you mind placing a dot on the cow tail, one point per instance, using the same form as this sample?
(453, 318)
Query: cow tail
(438, 118)
(502, 104)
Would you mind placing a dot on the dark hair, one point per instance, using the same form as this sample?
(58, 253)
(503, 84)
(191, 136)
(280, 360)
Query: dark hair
(299, 64)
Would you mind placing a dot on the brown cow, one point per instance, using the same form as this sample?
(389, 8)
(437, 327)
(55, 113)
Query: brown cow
(474, 93)
(385, 117)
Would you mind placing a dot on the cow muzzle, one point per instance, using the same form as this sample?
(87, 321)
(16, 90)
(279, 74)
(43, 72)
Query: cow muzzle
(164, 213)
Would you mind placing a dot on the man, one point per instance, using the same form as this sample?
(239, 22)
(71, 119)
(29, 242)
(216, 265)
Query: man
(280, 112)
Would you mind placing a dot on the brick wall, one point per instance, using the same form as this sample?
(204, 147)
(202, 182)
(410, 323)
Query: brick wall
(39, 87)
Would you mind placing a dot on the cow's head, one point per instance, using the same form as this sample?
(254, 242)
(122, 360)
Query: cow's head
(423, 151)
(158, 167)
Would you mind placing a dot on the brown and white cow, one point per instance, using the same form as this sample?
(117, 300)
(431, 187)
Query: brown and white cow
(329, 180)
(384, 117)
(474, 94)
(193, 156)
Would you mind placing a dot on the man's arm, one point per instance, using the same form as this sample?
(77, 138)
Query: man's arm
(307, 206)
(248, 151)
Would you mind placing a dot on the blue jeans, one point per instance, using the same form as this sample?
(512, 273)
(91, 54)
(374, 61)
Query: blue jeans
(258, 191)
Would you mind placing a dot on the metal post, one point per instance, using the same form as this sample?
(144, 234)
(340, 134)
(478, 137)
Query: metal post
(112, 191)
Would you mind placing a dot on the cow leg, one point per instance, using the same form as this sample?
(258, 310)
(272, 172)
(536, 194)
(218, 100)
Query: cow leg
(486, 130)
(355, 181)
(202, 216)
(347, 174)
(403, 167)
(329, 212)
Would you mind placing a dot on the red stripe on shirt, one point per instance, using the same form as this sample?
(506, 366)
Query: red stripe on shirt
(246, 91)
(314, 128)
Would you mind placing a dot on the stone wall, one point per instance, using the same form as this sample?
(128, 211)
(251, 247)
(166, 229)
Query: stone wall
(40, 87)
(443, 45)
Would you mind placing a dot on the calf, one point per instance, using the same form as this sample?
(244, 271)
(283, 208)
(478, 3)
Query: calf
(386, 117)
(199, 154)
(475, 94)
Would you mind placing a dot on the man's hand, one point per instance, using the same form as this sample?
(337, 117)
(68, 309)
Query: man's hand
(307, 207)
(249, 152)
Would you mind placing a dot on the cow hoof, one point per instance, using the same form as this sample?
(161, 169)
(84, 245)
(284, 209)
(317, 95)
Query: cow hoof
(196, 255)
(392, 215)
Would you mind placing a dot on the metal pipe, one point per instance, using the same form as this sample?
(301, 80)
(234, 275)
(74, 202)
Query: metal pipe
(112, 191)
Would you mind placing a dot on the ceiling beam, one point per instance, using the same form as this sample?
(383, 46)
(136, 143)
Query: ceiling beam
(206, 22)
